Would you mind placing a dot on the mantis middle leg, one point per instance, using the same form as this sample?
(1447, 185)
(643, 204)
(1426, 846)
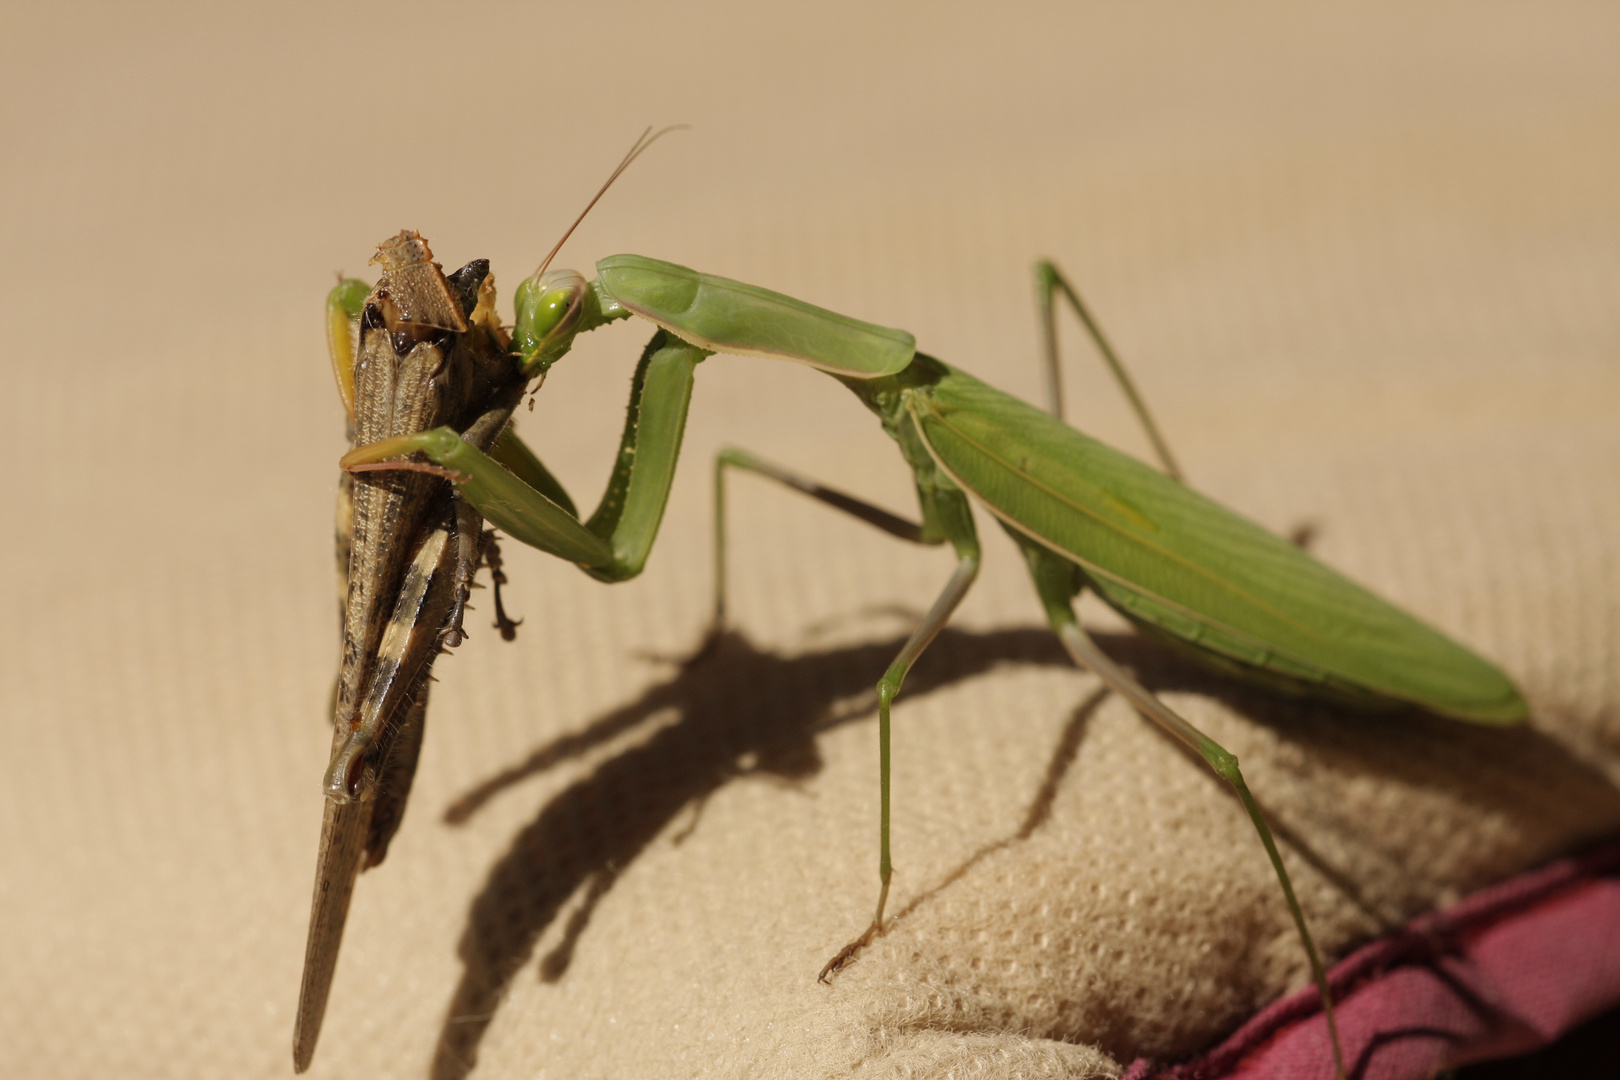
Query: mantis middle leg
(946, 517)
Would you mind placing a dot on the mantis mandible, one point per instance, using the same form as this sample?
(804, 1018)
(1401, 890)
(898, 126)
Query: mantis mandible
(430, 388)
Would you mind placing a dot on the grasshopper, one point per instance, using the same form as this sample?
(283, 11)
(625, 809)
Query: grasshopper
(430, 351)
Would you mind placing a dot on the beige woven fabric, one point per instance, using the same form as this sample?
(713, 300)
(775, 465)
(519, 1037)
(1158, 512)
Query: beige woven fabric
(1365, 263)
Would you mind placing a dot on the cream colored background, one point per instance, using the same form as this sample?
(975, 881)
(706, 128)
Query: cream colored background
(1365, 259)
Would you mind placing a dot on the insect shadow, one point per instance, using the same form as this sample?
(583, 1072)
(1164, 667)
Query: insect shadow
(590, 832)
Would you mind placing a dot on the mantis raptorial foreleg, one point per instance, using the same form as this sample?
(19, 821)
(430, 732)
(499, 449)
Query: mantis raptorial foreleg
(613, 543)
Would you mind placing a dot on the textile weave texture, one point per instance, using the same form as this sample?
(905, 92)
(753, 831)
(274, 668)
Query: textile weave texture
(1363, 263)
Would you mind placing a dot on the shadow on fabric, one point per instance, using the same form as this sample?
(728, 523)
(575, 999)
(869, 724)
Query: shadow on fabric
(713, 732)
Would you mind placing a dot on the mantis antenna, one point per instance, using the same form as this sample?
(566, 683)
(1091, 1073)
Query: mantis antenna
(644, 141)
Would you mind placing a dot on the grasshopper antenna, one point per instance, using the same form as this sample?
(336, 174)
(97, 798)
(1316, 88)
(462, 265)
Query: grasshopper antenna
(641, 144)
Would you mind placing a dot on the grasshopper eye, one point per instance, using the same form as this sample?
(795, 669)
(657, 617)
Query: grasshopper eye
(548, 311)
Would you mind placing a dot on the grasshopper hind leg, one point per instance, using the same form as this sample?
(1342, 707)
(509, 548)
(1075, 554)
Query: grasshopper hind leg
(370, 774)
(402, 746)
(354, 837)
(395, 771)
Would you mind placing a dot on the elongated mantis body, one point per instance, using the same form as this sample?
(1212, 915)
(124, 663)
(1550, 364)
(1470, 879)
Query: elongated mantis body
(431, 390)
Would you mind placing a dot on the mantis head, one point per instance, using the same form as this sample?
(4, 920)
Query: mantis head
(551, 310)
(554, 306)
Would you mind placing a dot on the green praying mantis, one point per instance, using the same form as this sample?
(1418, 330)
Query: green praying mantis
(430, 382)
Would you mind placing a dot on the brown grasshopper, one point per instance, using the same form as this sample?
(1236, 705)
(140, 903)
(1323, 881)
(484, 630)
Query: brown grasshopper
(430, 352)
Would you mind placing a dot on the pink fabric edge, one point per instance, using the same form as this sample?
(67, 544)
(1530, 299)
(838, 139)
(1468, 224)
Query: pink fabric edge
(1508, 969)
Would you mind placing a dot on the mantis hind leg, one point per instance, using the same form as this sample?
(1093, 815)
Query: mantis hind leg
(1057, 581)
(1049, 283)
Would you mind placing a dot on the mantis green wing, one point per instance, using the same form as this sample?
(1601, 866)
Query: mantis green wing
(1185, 568)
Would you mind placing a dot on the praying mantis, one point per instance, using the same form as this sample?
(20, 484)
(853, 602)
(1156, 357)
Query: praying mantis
(431, 380)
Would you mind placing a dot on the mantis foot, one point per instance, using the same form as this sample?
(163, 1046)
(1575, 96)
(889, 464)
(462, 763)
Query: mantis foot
(846, 956)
